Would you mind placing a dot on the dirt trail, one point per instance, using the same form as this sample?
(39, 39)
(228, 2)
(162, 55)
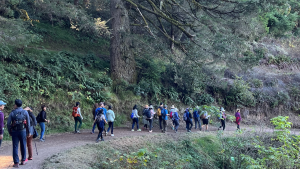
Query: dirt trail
(61, 142)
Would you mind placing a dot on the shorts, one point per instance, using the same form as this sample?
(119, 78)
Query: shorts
(205, 121)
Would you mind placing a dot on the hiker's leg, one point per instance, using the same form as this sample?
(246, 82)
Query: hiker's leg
(137, 123)
(42, 125)
(223, 124)
(133, 123)
(15, 141)
(109, 125)
(80, 123)
(160, 120)
(75, 119)
(176, 125)
(112, 127)
(22, 135)
(0, 142)
(187, 125)
(195, 123)
(93, 130)
(164, 125)
(101, 131)
(191, 124)
(150, 123)
(199, 121)
(29, 146)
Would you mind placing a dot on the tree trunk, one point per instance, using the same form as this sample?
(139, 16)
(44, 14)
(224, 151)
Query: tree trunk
(121, 57)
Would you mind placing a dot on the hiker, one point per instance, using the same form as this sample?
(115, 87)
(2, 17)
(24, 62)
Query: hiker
(104, 113)
(238, 118)
(149, 116)
(135, 118)
(77, 117)
(41, 119)
(175, 118)
(204, 116)
(95, 114)
(101, 106)
(2, 105)
(145, 121)
(110, 119)
(222, 118)
(18, 124)
(187, 117)
(159, 110)
(172, 111)
(164, 115)
(33, 123)
(100, 121)
(197, 118)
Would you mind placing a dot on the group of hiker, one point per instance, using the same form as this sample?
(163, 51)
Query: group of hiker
(21, 123)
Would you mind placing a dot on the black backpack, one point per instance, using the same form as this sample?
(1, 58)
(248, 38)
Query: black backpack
(19, 120)
(147, 113)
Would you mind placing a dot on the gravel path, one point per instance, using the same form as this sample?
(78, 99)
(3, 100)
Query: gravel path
(60, 142)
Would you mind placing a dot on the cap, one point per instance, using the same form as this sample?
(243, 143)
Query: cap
(2, 103)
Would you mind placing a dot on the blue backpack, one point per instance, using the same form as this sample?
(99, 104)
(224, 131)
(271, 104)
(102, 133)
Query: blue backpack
(132, 115)
(196, 115)
(185, 116)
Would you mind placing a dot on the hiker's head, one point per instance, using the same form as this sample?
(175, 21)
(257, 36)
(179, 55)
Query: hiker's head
(77, 104)
(237, 110)
(134, 107)
(161, 104)
(101, 104)
(150, 107)
(109, 107)
(2, 105)
(165, 106)
(44, 107)
(18, 103)
(146, 106)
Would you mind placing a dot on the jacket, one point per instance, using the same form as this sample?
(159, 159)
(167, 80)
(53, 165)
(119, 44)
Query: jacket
(41, 117)
(32, 123)
(104, 112)
(10, 120)
(164, 113)
(175, 116)
(110, 116)
(135, 113)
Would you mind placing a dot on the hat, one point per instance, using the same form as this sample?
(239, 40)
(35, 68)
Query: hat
(165, 106)
(191, 109)
(2, 103)
(151, 107)
(222, 109)
(172, 107)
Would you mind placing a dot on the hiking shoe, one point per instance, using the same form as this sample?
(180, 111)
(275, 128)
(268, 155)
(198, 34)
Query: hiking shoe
(16, 165)
(78, 132)
(29, 158)
(162, 130)
(102, 139)
(97, 141)
(139, 130)
(24, 162)
(132, 130)
(175, 131)
(150, 131)
(112, 135)
(92, 132)
(41, 140)
(189, 131)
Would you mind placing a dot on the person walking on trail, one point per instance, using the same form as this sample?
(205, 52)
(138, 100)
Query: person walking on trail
(101, 106)
(100, 121)
(197, 118)
(204, 116)
(95, 114)
(135, 118)
(77, 117)
(164, 115)
(110, 119)
(172, 111)
(41, 119)
(175, 118)
(33, 123)
(222, 118)
(2, 105)
(145, 120)
(159, 110)
(238, 118)
(188, 118)
(149, 116)
(18, 124)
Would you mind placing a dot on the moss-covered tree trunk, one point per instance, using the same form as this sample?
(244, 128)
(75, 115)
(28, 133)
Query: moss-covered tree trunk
(121, 57)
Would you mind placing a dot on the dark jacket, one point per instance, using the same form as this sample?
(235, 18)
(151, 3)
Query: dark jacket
(41, 117)
(1, 122)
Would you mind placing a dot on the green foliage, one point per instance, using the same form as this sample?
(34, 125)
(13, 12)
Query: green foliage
(256, 83)
(280, 59)
(253, 58)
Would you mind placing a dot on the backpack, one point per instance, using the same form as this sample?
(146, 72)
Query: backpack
(132, 115)
(18, 121)
(196, 115)
(202, 116)
(148, 113)
(185, 116)
(159, 111)
(74, 113)
(171, 115)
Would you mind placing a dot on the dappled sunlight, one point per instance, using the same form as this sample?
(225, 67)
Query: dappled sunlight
(5, 161)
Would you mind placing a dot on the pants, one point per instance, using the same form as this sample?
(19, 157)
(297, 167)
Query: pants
(197, 120)
(176, 122)
(135, 120)
(222, 124)
(189, 124)
(29, 146)
(111, 126)
(77, 119)
(0, 142)
(160, 120)
(150, 122)
(19, 136)
(42, 125)
(238, 127)
(164, 125)
(94, 126)
(100, 133)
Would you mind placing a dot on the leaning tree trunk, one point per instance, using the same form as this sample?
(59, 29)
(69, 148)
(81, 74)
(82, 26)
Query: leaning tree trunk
(121, 57)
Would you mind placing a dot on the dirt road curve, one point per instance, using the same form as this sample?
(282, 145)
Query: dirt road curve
(61, 142)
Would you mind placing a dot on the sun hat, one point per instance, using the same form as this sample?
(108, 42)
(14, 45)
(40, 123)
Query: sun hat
(151, 107)
(2, 103)
(172, 107)
(222, 109)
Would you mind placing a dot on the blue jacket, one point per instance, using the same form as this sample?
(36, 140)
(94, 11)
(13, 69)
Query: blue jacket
(175, 116)
(104, 112)
(164, 113)
(196, 115)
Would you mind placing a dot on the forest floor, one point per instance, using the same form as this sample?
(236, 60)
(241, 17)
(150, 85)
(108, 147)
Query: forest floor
(60, 143)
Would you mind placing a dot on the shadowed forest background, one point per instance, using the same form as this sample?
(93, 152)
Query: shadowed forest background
(230, 53)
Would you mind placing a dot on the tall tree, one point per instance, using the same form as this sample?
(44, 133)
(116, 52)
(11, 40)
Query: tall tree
(121, 57)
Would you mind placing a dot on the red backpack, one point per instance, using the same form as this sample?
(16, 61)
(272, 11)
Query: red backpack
(171, 115)
(74, 113)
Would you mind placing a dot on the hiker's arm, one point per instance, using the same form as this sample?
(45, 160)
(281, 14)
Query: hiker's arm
(8, 125)
(80, 113)
(28, 124)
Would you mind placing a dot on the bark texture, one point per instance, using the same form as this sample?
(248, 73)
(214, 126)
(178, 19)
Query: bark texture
(122, 58)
